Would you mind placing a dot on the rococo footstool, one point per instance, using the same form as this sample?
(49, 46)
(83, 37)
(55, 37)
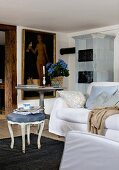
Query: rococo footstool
(25, 121)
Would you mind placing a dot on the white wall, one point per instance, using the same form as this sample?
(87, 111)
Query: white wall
(61, 42)
(72, 65)
(116, 58)
(64, 40)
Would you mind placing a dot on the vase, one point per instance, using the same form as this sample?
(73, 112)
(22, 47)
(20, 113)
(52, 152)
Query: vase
(57, 81)
(36, 82)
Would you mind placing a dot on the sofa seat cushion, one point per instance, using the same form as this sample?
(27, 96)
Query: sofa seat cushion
(112, 122)
(73, 115)
(81, 116)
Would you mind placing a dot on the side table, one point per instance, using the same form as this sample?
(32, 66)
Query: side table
(41, 90)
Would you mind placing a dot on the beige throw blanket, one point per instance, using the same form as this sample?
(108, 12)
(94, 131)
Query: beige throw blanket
(97, 117)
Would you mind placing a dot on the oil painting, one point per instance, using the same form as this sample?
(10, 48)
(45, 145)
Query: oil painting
(39, 48)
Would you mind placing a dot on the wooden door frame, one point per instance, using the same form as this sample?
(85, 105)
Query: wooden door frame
(10, 67)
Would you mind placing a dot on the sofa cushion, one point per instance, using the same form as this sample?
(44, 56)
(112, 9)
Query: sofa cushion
(73, 115)
(105, 84)
(14, 117)
(112, 122)
(113, 100)
(81, 116)
(96, 90)
(74, 99)
(100, 100)
(106, 100)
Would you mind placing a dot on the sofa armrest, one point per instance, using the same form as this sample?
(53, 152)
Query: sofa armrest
(48, 104)
(51, 103)
(86, 151)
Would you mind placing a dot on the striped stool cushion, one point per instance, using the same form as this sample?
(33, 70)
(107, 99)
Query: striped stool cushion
(25, 118)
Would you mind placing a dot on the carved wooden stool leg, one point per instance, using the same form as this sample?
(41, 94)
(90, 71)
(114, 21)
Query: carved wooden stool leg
(40, 133)
(28, 134)
(23, 137)
(11, 134)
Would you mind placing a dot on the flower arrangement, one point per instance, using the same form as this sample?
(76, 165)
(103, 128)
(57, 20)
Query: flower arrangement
(57, 69)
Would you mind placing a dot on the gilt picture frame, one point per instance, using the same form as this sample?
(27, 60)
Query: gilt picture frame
(38, 49)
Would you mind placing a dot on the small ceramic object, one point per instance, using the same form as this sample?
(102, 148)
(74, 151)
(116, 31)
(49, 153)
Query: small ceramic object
(26, 106)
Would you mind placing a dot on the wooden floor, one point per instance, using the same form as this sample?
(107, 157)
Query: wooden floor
(4, 132)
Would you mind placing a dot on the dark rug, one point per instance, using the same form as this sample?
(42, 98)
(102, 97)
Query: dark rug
(46, 158)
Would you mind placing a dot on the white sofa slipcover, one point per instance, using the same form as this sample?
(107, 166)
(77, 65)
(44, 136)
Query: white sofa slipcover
(86, 151)
(64, 119)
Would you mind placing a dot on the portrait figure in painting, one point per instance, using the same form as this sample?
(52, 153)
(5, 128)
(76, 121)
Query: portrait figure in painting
(42, 57)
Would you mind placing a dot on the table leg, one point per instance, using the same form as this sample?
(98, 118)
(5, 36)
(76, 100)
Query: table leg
(41, 100)
(11, 134)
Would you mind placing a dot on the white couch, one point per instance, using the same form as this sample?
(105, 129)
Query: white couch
(89, 152)
(64, 119)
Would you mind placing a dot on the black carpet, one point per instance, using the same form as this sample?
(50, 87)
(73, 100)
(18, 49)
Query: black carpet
(47, 158)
